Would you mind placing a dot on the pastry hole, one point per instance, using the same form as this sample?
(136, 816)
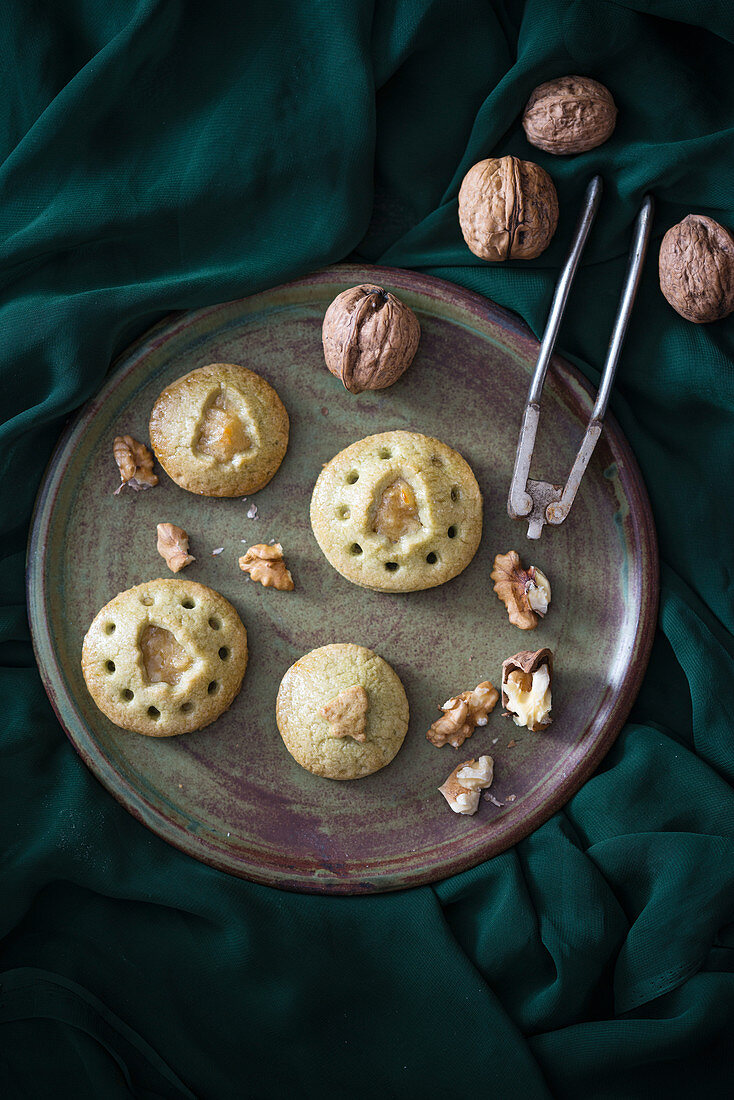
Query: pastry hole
(351, 477)
(147, 600)
(355, 548)
(432, 558)
(223, 653)
(109, 628)
(127, 695)
(452, 532)
(213, 687)
(455, 494)
(215, 624)
(436, 461)
(188, 603)
(342, 512)
(391, 566)
(384, 452)
(110, 666)
(154, 713)
(187, 708)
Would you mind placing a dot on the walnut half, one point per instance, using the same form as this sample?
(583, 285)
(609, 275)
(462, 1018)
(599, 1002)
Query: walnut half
(462, 715)
(461, 789)
(135, 463)
(265, 564)
(526, 593)
(173, 545)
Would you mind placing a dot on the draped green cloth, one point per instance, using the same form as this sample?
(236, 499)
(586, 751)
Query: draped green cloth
(166, 154)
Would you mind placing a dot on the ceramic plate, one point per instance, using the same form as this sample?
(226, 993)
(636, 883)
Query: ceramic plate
(230, 794)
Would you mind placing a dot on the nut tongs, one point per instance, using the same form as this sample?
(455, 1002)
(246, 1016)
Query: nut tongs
(538, 501)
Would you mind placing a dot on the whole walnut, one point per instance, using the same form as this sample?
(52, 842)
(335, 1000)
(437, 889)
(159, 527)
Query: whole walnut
(696, 268)
(508, 209)
(569, 115)
(369, 337)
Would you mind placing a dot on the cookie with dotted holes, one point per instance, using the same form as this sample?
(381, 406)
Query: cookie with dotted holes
(342, 711)
(221, 431)
(397, 512)
(165, 657)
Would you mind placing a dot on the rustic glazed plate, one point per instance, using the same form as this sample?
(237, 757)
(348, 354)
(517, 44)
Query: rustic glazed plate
(230, 794)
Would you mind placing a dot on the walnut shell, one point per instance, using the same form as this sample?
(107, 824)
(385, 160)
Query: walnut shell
(369, 337)
(508, 208)
(569, 115)
(696, 268)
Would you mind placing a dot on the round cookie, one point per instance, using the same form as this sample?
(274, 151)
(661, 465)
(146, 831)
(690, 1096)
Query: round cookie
(165, 657)
(342, 711)
(397, 512)
(221, 431)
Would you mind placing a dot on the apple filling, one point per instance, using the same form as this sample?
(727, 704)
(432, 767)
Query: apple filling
(164, 659)
(397, 511)
(222, 435)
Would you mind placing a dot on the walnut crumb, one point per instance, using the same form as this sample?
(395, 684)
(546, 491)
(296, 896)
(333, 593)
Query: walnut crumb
(173, 545)
(135, 463)
(265, 564)
(462, 715)
(346, 713)
(461, 789)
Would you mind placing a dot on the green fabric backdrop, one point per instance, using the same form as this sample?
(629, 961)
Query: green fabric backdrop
(167, 154)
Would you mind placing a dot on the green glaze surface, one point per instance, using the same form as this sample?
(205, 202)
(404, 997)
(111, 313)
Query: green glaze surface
(231, 794)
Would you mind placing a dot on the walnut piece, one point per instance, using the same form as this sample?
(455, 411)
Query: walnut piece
(526, 688)
(696, 268)
(462, 715)
(265, 564)
(526, 593)
(346, 713)
(461, 789)
(369, 338)
(135, 463)
(173, 545)
(397, 511)
(569, 115)
(508, 209)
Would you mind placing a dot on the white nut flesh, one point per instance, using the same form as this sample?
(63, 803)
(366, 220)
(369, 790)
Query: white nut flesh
(529, 708)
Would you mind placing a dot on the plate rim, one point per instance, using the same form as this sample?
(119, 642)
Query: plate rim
(196, 845)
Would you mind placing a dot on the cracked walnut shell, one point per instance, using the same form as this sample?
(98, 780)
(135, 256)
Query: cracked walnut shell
(462, 714)
(527, 678)
(173, 545)
(508, 209)
(369, 338)
(696, 268)
(569, 115)
(265, 564)
(135, 463)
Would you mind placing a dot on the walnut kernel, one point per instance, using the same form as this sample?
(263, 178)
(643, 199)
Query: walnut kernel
(526, 593)
(508, 209)
(369, 338)
(346, 713)
(526, 688)
(461, 789)
(462, 714)
(135, 463)
(569, 115)
(265, 564)
(696, 268)
(173, 545)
